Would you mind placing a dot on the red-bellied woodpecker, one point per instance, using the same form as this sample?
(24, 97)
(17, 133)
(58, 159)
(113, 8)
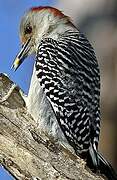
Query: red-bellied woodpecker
(64, 95)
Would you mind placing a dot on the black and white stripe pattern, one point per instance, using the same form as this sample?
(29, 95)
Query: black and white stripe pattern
(68, 72)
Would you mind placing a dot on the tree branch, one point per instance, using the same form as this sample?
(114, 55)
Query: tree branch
(24, 151)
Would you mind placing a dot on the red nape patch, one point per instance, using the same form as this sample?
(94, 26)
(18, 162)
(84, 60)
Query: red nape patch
(55, 11)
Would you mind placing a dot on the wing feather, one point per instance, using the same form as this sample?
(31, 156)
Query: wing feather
(68, 72)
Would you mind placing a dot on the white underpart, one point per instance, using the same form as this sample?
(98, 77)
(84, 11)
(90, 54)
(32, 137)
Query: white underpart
(39, 107)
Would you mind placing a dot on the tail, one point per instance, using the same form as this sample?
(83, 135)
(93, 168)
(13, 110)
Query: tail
(97, 163)
(106, 168)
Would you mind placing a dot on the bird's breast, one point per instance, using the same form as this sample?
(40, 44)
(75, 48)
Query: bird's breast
(40, 109)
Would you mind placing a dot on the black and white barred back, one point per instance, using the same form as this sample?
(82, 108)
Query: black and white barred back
(69, 75)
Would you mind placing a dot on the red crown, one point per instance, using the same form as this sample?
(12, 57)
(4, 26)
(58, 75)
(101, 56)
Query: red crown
(55, 11)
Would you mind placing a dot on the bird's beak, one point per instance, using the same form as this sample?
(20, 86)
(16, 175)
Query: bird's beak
(22, 54)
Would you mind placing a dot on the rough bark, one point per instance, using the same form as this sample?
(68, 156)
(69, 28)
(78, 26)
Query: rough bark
(24, 151)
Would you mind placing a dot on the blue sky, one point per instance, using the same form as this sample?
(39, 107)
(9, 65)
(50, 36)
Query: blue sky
(11, 12)
(4, 175)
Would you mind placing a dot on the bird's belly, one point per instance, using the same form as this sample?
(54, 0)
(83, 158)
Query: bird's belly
(40, 109)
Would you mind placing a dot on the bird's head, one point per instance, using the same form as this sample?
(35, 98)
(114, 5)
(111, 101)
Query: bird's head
(37, 23)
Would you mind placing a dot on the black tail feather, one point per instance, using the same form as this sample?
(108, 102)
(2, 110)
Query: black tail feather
(106, 168)
(97, 163)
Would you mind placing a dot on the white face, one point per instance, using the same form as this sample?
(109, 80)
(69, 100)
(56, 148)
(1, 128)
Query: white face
(27, 27)
(34, 26)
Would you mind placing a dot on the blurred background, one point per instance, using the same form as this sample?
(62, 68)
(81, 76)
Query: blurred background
(98, 20)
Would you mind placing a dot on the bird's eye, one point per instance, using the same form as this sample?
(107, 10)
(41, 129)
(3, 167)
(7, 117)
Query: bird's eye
(28, 29)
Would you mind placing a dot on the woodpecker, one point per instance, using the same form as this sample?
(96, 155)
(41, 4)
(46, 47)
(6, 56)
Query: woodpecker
(64, 94)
